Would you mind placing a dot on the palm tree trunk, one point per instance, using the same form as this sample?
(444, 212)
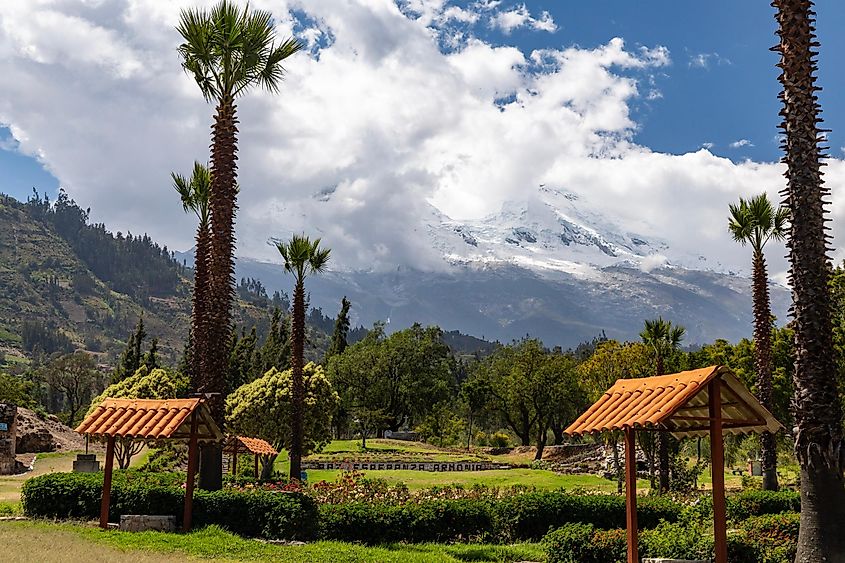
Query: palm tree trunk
(818, 414)
(222, 207)
(763, 361)
(199, 308)
(298, 391)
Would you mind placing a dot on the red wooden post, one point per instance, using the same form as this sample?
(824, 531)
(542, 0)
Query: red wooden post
(631, 494)
(256, 464)
(717, 468)
(107, 471)
(192, 469)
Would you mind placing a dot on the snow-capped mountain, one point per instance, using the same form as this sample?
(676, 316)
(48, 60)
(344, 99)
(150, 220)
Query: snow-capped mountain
(549, 267)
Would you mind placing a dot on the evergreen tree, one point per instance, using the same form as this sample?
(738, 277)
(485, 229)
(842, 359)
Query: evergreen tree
(341, 330)
(131, 357)
(151, 357)
(275, 352)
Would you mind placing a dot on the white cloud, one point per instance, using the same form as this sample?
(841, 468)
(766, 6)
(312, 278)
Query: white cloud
(738, 144)
(373, 135)
(519, 16)
(708, 145)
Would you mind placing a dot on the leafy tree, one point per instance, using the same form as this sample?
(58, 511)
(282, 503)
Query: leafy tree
(263, 408)
(145, 383)
(341, 330)
(663, 338)
(76, 377)
(474, 395)
(16, 390)
(301, 257)
(228, 50)
(194, 192)
(390, 381)
(526, 384)
(441, 421)
(816, 404)
(755, 222)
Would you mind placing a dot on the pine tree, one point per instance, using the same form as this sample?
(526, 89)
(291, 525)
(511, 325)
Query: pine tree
(131, 357)
(151, 357)
(275, 352)
(341, 331)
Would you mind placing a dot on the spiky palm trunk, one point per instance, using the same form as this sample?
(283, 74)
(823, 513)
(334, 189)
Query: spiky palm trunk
(818, 414)
(199, 308)
(763, 364)
(222, 207)
(298, 388)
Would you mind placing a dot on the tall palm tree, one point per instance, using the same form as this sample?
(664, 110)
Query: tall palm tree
(755, 222)
(228, 50)
(194, 193)
(818, 412)
(664, 338)
(302, 257)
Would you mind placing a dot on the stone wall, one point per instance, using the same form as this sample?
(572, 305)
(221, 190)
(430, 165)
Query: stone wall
(8, 464)
(412, 466)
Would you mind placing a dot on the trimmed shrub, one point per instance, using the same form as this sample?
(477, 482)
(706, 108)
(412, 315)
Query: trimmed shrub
(258, 513)
(583, 543)
(756, 503)
(532, 515)
(675, 541)
(430, 521)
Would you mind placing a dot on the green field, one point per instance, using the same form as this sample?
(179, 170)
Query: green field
(51, 542)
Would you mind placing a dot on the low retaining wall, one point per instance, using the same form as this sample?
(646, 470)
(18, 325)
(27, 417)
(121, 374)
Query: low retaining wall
(412, 466)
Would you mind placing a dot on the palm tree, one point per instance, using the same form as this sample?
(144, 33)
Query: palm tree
(301, 257)
(194, 192)
(818, 413)
(664, 338)
(755, 222)
(228, 50)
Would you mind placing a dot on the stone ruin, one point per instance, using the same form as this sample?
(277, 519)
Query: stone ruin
(8, 464)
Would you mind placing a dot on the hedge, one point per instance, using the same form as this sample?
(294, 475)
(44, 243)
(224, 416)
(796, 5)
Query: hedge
(257, 513)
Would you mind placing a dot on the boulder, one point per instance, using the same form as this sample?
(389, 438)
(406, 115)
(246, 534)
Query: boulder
(35, 441)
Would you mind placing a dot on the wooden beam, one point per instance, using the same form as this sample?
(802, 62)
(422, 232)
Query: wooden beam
(256, 464)
(631, 494)
(703, 406)
(717, 468)
(187, 516)
(107, 471)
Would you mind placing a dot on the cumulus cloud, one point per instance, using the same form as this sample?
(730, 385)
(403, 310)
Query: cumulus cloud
(519, 16)
(378, 132)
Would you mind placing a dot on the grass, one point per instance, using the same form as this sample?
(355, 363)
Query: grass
(25, 541)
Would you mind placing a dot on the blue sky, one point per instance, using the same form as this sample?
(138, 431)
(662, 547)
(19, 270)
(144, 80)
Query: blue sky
(394, 112)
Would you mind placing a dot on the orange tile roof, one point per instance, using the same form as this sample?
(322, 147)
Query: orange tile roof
(678, 403)
(150, 419)
(243, 445)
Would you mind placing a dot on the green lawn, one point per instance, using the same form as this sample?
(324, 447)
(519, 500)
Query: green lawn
(42, 541)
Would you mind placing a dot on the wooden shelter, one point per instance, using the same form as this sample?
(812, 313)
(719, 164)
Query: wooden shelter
(236, 445)
(186, 420)
(708, 401)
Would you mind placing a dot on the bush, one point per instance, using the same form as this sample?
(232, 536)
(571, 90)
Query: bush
(258, 513)
(532, 515)
(675, 541)
(499, 440)
(771, 538)
(582, 543)
(756, 503)
(429, 521)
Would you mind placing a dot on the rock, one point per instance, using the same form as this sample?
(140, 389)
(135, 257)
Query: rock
(36, 440)
(36, 435)
(147, 522)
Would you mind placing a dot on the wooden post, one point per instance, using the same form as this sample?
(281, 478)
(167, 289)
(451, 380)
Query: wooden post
(717, 468)
(107, 471)
(631, 494)
(256, 464)
(235, 461)
(192, 469)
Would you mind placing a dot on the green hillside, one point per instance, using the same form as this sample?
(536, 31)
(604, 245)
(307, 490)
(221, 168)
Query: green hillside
(68, 284)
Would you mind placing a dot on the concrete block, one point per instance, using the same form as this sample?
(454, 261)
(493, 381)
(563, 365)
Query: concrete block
(147, 522)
